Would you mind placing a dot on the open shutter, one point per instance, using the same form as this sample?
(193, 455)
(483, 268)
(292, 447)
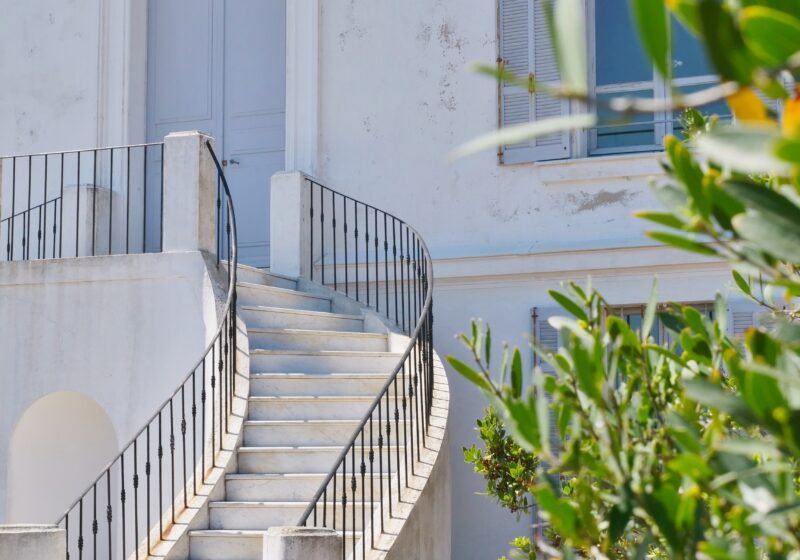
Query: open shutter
(546, 337)
(743, 314)
(526, 48)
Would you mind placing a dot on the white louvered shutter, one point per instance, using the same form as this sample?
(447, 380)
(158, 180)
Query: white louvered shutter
(743, 314)
(546, 337)
(526, 48)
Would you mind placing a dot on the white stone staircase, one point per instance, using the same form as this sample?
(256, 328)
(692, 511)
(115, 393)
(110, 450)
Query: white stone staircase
(313, 374)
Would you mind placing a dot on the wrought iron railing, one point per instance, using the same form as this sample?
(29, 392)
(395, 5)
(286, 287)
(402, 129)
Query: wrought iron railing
(378, 259)
(103, 201)
(155, 475)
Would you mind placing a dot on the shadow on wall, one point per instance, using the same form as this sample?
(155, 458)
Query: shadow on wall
(61, 442)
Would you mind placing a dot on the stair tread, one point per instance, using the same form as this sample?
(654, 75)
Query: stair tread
(266, 271)
(315, 332)
(272, 476)
(271, 503)
(272, 309)
(298, 422)
(279, 290)
(347, 353)
(275, 398)
(300, 375)
(297, 448)
(227, 532)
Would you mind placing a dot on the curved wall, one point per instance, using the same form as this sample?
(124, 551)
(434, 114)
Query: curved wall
(57, 448)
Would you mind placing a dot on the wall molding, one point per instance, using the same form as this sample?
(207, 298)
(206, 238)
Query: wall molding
(573, 263)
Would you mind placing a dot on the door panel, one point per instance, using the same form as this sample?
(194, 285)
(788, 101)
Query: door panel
(254, 123)
(219, 66)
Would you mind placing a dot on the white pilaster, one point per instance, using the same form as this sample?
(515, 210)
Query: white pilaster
(302, 85)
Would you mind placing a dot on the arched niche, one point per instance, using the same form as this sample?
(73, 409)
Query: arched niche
(58, 447)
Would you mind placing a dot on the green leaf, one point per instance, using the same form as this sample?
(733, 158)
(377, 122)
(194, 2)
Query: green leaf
(568, 304)
(523, 133)
(745, 149)
(743, 284)
(661, 218)
(713, 396)
(787, 149)
(523, 424)
(569, 38)
(686, 11)
(507, 77)
(771, 35)
(516, 374)
(688, 171)
(772, 235)
(681, 242)
(721, 313)
(726, 48)
(653, 23)
(488, 346)
(763, 198)
(471, 375)
(561, 514)
(650, 311)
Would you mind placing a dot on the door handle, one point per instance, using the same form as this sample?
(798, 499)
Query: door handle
(225, 162)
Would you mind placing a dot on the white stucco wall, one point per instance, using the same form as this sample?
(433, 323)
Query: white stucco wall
(122, 331)
(72, 74)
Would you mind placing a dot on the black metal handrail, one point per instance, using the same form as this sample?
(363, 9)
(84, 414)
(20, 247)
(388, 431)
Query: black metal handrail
(407, 299)
(120, 210)
(214, 372)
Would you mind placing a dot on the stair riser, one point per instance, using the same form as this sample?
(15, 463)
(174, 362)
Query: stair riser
(226, 548)
(313, 342)
(279, 461)
(298, 434)
(302, 410)
(261, 517)
(258, 277)
(322, 386)
(291, 489)
(253, 296)
(268, 319)
(292, 363)
(242, 548)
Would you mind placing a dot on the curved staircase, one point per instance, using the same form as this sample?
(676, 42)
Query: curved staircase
(313, 373)
(316, 403)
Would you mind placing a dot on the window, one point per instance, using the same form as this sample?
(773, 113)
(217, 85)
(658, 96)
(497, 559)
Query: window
(634, 315)
(615, 68)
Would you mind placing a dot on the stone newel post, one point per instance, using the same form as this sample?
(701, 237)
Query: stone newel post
(302, 543)
(190, 193)
(289, 224)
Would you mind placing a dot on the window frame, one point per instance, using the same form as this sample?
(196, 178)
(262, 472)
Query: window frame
(585, 141)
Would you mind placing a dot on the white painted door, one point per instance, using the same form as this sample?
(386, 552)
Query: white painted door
(219, 66)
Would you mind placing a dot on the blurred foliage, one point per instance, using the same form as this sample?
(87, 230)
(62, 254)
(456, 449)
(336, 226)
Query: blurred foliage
(687, 449)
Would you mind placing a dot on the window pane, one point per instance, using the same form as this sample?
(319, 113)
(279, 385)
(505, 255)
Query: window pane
(719, 108)
(620, 59)
(638, 130)
(688, 55)
(634, 321)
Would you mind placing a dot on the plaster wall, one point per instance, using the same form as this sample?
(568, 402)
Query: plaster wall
(73, 74)
(122, 331)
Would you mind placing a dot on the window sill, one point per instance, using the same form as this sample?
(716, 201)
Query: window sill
(600, 168)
